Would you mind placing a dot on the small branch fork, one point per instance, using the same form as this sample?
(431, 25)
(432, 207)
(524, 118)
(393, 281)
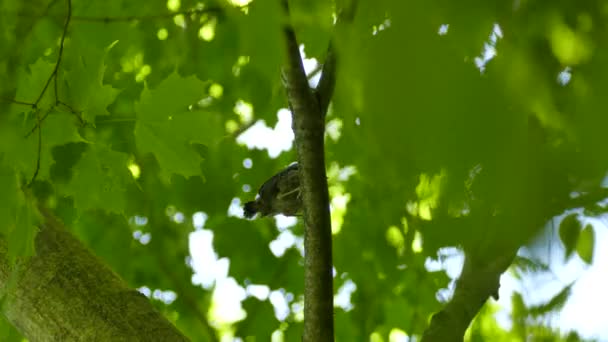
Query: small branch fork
(52, 77)
(308, 108)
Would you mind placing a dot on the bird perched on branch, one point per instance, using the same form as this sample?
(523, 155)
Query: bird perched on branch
(278, 195)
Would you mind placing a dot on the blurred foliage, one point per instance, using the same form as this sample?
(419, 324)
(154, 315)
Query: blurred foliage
(447, 115)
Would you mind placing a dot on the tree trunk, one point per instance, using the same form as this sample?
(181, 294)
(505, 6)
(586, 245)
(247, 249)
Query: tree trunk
(65, 293)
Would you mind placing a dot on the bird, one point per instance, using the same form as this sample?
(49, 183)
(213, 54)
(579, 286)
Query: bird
(278, 195)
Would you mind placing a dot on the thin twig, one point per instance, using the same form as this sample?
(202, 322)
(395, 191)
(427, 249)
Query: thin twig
(77, 114)
(327, 82)
(314, 72)
(325, 87)
(44, 13)
(39, 150)
(38, 123)
(53, 75)
(13, 101)
(56, 68)
(60, 54)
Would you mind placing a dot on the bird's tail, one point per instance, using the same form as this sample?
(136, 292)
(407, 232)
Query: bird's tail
(250, 209)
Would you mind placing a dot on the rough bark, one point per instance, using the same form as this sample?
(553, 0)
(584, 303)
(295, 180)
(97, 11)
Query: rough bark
(65, 293)
(308, 108)
(477, 283)
(309, 129)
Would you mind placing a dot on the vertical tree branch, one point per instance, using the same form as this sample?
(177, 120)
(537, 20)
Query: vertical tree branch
(308, 109)
(309, 129)
(326, 85)
(327, 82)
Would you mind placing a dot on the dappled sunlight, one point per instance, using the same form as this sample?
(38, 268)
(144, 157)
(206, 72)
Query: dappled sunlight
(339, 197)
(564, 76)
(166, 297)
(428, 191)
(260, 292)
(226, 303)
(342, 298)
(173, 5)
(275, 140)
(285, 241)
(143, 238)
(139, 131)
(489, 48)
(162, 34)
(235, 209)
(395, 238)
(569, 46)
(207, 31)
(333, 129)
(239, 2)
(280, 300)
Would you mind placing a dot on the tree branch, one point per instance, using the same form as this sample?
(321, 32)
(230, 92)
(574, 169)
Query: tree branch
(479, 280)
(308, 109)
(59, 56)
(327, 82)
(309, 129)
(53, 76)
(481, 272)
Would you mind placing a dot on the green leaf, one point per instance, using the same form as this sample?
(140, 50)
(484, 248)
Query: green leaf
(398, 312)
(569, 231)
(32, 83)
(261, 320)
(247, 247)
(84, 86)
(99, 180)
(262, 37)
(166, 128)
(554, 304)
(586, 244)
(313, 22)
(523, 265)
(21, 146)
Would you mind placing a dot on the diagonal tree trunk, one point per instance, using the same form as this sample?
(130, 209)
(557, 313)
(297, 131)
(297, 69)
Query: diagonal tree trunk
(65, 293)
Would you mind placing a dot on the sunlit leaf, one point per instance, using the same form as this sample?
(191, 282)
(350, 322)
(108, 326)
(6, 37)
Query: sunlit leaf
(569, 232)
(586, 244)
(99, 180)
(166, 127)
(557, 302)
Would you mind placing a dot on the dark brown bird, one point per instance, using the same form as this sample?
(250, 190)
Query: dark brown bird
(278, 195)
